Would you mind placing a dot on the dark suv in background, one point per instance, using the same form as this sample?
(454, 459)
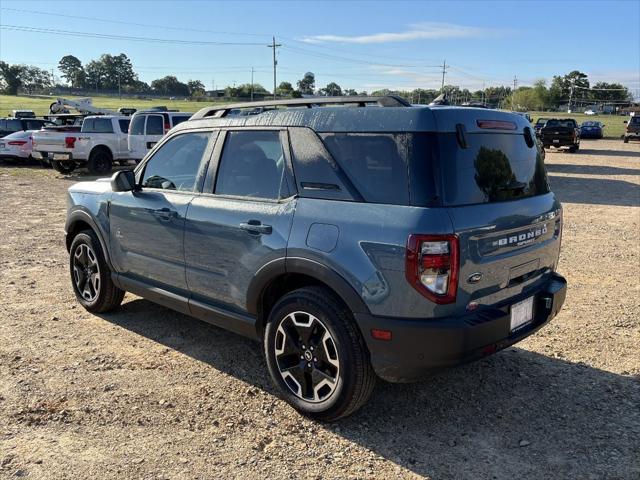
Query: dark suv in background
(354, 237)
(633, 128)
(12, 125)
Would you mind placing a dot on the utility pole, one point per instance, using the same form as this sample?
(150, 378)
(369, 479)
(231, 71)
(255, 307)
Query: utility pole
(513, 94)
(444, 70)
(573, 82)
(252, 84)
(273, 45)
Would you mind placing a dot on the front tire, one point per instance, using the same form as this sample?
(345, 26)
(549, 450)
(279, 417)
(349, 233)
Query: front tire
(316, 355)
(91, 276)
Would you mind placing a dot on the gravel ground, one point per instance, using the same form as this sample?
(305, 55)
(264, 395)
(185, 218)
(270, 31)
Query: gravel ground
(152, 394)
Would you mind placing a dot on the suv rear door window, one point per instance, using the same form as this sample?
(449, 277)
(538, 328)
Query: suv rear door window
(494, 167)
(176, 119)
(376, 164)
(124, 125)
(176, 164)
(155, 125)
(252, 165)
(137, 125)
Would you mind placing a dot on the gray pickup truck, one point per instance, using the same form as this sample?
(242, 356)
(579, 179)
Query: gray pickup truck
(382, 240)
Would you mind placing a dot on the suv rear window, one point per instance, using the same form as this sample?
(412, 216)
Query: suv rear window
(561, 123)
(494, 167)
(176, 119)
(137, 125)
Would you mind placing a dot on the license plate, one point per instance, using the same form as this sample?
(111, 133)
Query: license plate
(521, 313)
(61, 156)
(555, 140)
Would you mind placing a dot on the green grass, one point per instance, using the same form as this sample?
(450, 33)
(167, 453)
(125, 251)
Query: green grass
(614, 124)
(40, 105)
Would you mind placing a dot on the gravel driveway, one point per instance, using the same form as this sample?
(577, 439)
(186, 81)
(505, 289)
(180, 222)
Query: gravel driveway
(152, 394)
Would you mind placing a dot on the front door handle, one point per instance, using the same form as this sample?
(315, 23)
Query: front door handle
(165, 214)
(256, 227)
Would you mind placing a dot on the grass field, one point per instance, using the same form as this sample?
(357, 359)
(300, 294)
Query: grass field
(40, 105)
(614, 124)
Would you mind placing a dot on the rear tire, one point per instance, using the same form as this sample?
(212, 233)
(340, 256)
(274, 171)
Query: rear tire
(63, 166)
(100, 161)
(316, 355)
(626, 140)
(91, 276)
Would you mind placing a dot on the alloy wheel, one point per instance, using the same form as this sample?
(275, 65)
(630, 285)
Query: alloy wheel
(86, 272)
(307, 357)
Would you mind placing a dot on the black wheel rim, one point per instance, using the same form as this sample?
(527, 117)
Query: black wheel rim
(86, 272)
(102, 163)
(307, 357)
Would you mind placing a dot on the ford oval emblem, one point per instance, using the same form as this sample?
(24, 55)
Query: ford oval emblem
(474, 277)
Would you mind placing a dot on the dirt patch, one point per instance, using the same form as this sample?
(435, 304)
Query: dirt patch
(149, 393)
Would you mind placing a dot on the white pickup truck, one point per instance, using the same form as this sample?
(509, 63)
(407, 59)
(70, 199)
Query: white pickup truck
(101, 141)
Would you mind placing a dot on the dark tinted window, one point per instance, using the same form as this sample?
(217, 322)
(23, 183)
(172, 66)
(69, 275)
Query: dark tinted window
(252, 165)
(561, 123)
(176, 119)
(634, 120)
(102, 125)
(376, 163)
(14, 125)
(33, 124)
(494, 167)
(124, 125)
(137, 125)
(175, 165)
(155, 125)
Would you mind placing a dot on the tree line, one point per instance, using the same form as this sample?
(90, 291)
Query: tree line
(116, 73)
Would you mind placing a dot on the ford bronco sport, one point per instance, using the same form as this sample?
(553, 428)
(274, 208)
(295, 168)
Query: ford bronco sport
(355, 237)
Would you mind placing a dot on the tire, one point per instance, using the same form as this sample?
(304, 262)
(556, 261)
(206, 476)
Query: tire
(333, 349)
(100, 161)
(63, 166)
(574, 148)
(626, 140)
(86, 263)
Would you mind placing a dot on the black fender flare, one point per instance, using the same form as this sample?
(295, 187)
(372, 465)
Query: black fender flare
(305, 266)
(83, 216)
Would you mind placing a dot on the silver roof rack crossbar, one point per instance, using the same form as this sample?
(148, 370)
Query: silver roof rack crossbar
(223, 110)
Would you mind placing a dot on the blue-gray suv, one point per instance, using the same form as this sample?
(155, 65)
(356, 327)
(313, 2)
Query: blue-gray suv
(355, 237)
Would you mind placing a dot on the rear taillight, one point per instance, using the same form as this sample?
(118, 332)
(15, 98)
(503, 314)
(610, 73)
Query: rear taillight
(167, 127)
(17, 143)
(69, 142)
(431, 266)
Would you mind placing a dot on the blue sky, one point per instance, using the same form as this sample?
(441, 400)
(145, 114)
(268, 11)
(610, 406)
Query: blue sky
(361, 45)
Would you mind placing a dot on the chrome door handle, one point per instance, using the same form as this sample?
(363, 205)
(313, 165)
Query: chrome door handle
(256, 227)
(165, 214)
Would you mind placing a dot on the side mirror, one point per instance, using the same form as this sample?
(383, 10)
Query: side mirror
(123, 181)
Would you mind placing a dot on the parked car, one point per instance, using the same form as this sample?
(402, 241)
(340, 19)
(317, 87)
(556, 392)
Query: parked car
(101, 140)
(589, 112)
(633, 129)
(12, 125)
(539, 124)
(592, 130)
(558, 133)
(16, 146)
(148, 127)
(392, 242)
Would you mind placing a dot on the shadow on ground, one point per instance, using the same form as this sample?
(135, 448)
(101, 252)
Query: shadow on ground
(608, 153)
(595, 191)
(518, 413)
(590, 169)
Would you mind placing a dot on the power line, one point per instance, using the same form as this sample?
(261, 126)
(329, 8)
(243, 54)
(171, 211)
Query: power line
(52, 31)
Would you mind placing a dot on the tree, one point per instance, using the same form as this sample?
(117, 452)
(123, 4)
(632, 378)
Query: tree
(35, 79)
(350, 92)
(610, 92)
(196, 88)
(307, 85)
(12, 76)
(72, 71)
(170, 85)
(285, 89)
(332, 89)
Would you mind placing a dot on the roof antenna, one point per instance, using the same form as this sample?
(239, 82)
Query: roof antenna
(440, 100)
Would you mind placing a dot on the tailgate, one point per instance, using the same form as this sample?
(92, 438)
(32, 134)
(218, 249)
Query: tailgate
(506, 246)
(45, 141)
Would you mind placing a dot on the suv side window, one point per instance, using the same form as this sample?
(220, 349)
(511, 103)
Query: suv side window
(176, 163)
(376, 164)
(124, 125)
(155, 125)
(252, 165)
(14, 125)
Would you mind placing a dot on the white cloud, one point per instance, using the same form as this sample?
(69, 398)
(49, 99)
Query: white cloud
(418, 31)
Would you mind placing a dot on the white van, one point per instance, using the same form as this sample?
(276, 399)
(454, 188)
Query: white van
(148, 127)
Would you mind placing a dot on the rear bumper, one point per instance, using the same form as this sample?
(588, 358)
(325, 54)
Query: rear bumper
(561, 142)
(420, 346)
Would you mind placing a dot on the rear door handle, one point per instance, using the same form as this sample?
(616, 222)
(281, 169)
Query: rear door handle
(256, 227)
(165, 214)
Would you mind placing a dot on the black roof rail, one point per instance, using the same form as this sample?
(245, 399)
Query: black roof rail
(361, 101)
